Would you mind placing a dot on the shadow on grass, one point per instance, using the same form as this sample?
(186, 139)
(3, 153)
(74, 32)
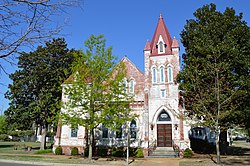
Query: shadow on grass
(6, 146)
(238, 151)
(232, 155)
(236, 161)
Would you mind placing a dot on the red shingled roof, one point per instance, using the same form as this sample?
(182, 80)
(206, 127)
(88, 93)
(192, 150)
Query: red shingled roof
(175, 43)
(162, 30)
(147, 46)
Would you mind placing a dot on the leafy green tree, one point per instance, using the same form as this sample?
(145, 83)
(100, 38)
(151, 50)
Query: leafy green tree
(35, 93)
(215, 76)
(95, 91)
(3, 128)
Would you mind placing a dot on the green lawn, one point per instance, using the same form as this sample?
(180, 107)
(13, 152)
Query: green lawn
(8, 152)
(18, 147)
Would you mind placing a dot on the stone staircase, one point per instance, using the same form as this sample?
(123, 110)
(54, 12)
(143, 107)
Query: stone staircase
(163, 152)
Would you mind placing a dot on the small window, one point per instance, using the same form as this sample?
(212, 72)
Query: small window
(161, 46)
(154, 75)
(104, 131)
(163, 93)
(164, 116)
(131, 86)
(162, 72)
(119, 133)
(170, 74)
(74, 132)
(133, 129)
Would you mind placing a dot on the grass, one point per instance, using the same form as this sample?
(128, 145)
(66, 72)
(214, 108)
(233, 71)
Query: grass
(195, 162)
(240, 155)
(44, 151)
(241, 142)
(9, 147)
(8, 152)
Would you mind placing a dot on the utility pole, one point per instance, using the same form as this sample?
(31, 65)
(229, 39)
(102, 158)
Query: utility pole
(127, 143)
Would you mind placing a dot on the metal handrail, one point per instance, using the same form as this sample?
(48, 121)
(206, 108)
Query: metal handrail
(152, 147)
(176, 148)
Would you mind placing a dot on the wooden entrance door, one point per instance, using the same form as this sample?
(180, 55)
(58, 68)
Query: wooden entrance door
(164, 135)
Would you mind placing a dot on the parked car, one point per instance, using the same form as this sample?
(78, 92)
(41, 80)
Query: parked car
(248, 139)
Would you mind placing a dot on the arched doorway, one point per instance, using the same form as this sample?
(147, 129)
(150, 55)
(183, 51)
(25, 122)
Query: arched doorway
(164, 130)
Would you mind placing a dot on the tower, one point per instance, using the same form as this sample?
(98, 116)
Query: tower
(162, 64)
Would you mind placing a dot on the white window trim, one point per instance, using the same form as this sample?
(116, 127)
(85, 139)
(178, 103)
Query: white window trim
(162, 79)
(154, 74)
(172, 79)
(163, 44)
(133, 86)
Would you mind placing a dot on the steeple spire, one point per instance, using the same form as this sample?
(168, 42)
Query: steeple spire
(160, 15)
(161, 33)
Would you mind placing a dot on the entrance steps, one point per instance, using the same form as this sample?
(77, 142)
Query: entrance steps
(163, 152)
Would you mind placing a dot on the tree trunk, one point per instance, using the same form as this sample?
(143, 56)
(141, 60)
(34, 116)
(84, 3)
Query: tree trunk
(217, 145)
(91, 144)
(43, 140)
(217, 132)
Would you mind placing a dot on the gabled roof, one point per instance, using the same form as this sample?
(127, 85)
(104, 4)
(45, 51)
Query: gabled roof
(130, 64)
(162, 30)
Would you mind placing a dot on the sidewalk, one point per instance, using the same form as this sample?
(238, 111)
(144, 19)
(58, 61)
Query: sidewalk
(159, 162)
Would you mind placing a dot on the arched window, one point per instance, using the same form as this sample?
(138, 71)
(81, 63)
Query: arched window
(162, 72)
(133, 129)
(164, 116)
(125, 85)
(170, 74)
(131, 86)
(161, 46)
(154, 77)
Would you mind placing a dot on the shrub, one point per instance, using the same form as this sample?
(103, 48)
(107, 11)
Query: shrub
(4, 137)
(58, 150)
(43, 151)
(139, 153)
(86, 152)
(74, 151)
(187, 153)
(132, 152)
(102, 151)
(117, 152)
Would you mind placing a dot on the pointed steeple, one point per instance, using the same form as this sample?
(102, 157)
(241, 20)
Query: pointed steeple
(147, 46)
(175, 43)
(161, 34)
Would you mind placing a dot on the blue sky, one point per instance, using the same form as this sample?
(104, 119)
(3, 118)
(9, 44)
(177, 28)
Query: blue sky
(127, 25)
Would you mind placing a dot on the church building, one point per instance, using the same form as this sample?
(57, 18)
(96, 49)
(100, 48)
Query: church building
(160, 121)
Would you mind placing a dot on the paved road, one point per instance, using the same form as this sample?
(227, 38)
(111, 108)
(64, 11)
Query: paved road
(15, 164)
